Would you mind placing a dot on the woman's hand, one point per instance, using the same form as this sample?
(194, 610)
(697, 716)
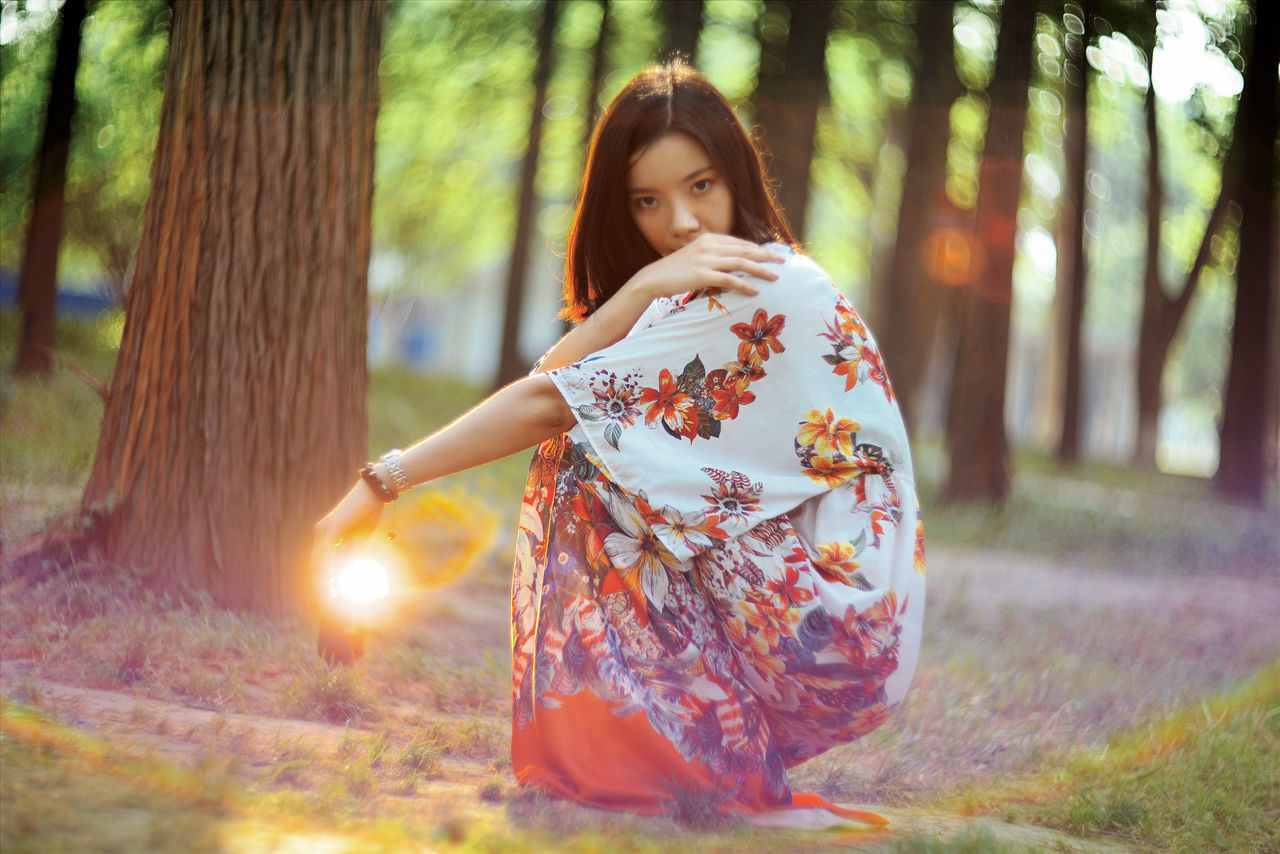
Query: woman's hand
(709, 261)
(354, 518)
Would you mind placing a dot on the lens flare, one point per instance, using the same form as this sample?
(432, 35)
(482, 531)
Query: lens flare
(361, 582)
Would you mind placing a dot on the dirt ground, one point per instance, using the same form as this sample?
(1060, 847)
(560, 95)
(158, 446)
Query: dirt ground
(1211, 613)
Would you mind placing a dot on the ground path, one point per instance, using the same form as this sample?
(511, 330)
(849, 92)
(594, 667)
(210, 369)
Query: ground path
(977, 582)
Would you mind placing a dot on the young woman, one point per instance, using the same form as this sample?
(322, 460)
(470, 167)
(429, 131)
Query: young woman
(719, 565)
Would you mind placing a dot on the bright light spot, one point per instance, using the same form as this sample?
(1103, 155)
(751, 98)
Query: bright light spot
(1187, 58)
(1043, 176)
(1040, 249)
(361, 582)
(38, 15)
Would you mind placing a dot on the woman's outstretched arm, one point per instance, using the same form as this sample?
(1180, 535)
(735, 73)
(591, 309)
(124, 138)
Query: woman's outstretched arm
(511, 419)
(708, 262)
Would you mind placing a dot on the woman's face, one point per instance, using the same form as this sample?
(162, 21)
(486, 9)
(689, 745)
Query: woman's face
(675, 193)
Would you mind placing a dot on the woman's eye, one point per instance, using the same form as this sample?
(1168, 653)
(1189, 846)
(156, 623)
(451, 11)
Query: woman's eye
(644, 202)
(702, 186)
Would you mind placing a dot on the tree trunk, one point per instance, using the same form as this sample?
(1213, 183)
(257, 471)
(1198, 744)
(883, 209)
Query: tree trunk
(976, 440)
(914, 291)
(511, 364)
(1154, 335)
(788, 96)
(683, 25)
(1242, 470)
(38, 277)
(1072, 261)
(237, 412)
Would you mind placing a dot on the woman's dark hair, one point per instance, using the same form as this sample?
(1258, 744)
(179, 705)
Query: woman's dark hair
(605, 248)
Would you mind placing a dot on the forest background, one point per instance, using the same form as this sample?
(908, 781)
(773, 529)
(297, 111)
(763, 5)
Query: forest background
(1061, 213)
(940, 183)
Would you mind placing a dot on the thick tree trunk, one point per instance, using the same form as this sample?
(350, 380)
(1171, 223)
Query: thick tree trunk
(792, 89)
(914, 291)
(511, 364)
(38, 277)
(237, 411)
(1072, 269)
(976, 440)
(683, 25)
(1242, 470)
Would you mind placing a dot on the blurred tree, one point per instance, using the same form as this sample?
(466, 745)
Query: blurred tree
(976, 439)
(38, 279)
(511, 363)
(1243, 471)
(122, 74)
(791, 89)
(236, 413)
(595, 78)
(683, 25)
(925, 239)
(1163, 308)
(1072, 263)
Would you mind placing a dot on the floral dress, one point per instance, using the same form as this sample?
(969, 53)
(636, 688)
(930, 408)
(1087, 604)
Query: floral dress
(720, 569)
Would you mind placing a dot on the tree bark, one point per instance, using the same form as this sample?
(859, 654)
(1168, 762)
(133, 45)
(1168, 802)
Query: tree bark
(792, 88)
(511, 364)
(976, 439)
(38, 277)
(1242, 469)
(914, 292)
(1072, 261)
(237, 411)
(683, 25)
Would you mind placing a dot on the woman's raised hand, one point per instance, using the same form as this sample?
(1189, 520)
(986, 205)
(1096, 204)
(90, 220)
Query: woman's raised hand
(709, 261)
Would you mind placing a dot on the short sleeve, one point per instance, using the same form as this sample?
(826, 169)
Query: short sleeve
(730, 409)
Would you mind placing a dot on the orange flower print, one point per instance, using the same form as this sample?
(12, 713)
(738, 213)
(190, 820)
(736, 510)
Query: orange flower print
(847, 368)
(875, 370)
(827, 434)
(849, 322)
(668, 404)
(832, 471)
(837, 560)
(787, 592)
(760, 336)
(745, 371)
(728, 399)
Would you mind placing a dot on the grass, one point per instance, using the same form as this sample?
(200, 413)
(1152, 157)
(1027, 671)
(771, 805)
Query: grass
(1204, 778)
(232, 729)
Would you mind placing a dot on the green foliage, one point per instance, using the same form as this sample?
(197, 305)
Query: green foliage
(119, 86)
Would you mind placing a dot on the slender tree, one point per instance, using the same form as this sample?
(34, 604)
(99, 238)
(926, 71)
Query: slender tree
(38, 277)
(976, 439)
(236, 414)
(1251, 387)
(511, 363)
(1163, 308)
(913, 302)
(792, 88)
(1072, 269)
